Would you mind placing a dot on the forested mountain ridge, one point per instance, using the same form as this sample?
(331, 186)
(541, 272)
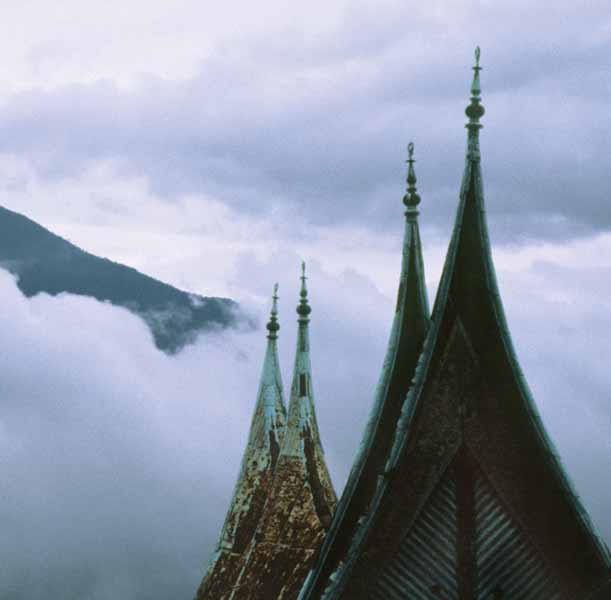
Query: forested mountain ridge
(45, 262)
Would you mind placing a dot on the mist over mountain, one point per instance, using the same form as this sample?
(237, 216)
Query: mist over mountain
(45, 262)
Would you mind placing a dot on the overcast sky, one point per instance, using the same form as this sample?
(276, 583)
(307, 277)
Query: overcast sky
(215, 145)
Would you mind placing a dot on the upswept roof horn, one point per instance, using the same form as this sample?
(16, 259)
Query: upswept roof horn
(409, 328)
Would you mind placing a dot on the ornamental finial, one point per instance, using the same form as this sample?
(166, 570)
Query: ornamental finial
(411, 198)
(273, 325)
(303, 310)
(475, 86)
(475, 111)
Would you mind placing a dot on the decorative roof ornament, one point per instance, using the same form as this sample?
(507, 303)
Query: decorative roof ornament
(475, 111)
(273, 326)
(301, 502)
(409, 329)
(303, 310)
(411, 198)
(255, 480)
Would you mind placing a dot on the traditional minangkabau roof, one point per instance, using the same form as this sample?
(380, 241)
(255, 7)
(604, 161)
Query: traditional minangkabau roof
(409, 328)
(301, 501)
(256, 474)
(473, 501)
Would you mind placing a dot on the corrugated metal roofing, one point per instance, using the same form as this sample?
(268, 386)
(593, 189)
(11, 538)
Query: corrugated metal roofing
(506, 560)
(425, 564)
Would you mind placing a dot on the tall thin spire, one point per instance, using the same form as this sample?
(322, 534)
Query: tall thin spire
(272, 325)
(303, 310)
(302, 500)
(411, 198)
(409, 329)
(254, 483)
(475, 111)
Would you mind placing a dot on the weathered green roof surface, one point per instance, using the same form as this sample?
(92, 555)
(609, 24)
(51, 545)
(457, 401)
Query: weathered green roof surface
(474, 501)
(409, 328)
(301, 501)
(256, 473)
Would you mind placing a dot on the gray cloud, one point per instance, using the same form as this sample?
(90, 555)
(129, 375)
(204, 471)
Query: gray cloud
(109, 489)
(317, 125)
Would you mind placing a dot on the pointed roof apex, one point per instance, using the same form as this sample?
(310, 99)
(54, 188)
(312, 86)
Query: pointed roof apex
(411, 198)
(273, 326)
(303, 310)
(475, 111)
(475, 87)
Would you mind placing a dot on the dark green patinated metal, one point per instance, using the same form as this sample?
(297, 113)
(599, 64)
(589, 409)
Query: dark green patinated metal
(408, 331)
(471, 472)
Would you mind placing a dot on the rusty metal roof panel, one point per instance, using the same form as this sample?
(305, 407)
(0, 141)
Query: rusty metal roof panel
(301, 501)
(255, 479)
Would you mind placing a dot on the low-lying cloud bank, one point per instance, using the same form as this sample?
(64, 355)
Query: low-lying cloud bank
(117, 462)
(112, 483)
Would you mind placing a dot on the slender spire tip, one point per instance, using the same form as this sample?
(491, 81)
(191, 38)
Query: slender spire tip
(303, 310)
(411, 198)
(273, 326)
(475, 111)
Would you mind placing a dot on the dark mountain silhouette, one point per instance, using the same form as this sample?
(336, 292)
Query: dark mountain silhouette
(45, 262)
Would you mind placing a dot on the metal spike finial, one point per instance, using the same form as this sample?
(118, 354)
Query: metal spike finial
(411, 198)
(303, 310)
(475, 85)
(475, 111)
(273, 326)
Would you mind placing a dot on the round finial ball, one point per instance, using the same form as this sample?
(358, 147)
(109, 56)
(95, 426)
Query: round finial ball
(303, 310)
(411, 200)
(273, 327)
(475, 111)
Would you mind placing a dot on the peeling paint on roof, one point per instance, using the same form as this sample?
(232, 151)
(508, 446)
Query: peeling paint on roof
(256, 473)
(301, 501)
